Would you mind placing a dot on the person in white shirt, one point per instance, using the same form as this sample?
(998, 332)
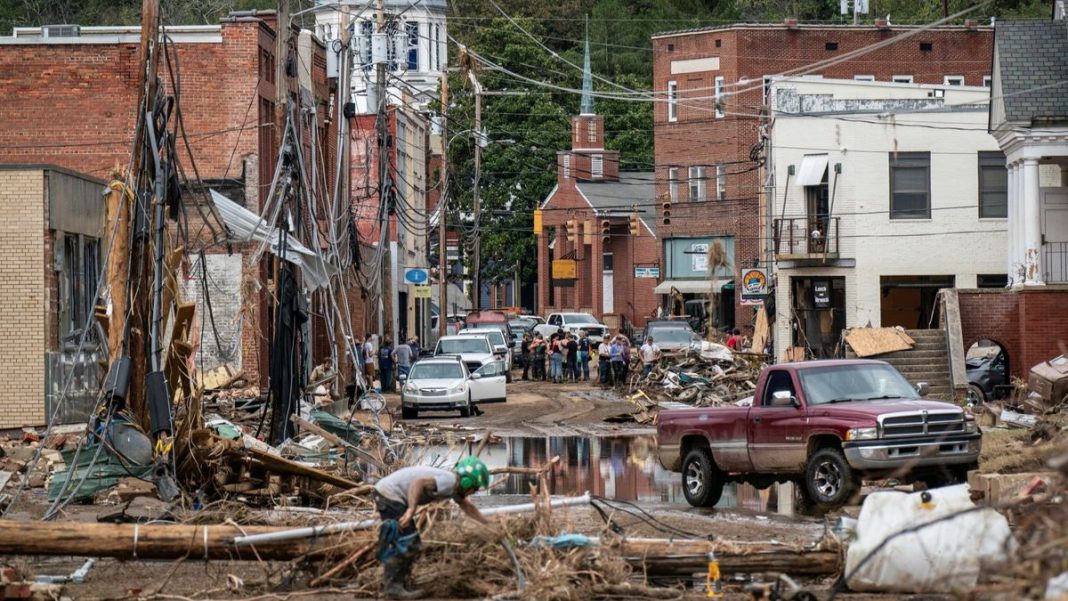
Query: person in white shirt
(650, 354)
(604, 368)
(369, 360)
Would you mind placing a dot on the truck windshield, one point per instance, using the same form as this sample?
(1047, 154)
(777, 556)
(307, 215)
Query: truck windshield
(671, 335)
(579, 318)
(456, 346)
(842, 383)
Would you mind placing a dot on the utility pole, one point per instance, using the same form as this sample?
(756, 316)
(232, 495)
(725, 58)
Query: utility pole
(476, 302)
(343, 345)
(382, 63)
(281, 82)
(443, 284)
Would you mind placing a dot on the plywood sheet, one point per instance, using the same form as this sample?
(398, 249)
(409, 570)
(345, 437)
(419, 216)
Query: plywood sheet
(868, 342)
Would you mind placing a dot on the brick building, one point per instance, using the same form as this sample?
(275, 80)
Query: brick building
(708, 126)
(599, 221)
(50, 260)
(87, 78)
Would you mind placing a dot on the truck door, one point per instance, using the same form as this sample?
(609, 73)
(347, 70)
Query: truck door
(776, 426)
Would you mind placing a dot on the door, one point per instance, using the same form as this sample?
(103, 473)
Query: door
(1054, 256)
(489, 385)
(608, 296)
(776, 428)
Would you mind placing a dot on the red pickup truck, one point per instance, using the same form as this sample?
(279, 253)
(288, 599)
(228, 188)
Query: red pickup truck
(825, 425)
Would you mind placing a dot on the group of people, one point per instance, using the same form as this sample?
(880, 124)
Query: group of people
(568, 357)
(393, 360)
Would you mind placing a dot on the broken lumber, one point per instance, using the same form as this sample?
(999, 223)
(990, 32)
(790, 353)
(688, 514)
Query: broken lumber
(157, 541)
(683, 557)
(336, 440)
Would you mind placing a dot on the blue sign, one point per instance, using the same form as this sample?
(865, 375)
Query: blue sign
(416, 276)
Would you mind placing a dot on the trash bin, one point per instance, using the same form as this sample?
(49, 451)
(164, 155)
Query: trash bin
(1049, 380)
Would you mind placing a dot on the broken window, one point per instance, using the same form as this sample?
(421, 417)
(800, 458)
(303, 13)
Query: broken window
(910, 185)
(993, 185)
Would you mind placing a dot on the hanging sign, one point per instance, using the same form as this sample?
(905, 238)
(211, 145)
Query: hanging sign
(754, 284)
(420, 291)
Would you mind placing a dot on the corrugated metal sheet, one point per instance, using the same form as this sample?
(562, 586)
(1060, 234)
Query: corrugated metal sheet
(75, 204)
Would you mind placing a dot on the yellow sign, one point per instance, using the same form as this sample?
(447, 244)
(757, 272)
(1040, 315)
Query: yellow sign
(537, 222)
(420, 291)
(564, 269)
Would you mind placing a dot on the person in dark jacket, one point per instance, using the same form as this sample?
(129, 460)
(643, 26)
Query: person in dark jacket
(524, 354)
(538, 356)
(571, 359)
(584, 356)
(385, 365)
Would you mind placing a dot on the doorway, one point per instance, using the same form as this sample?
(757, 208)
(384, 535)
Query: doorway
(818, 314)
(911, 301)
(608, 302)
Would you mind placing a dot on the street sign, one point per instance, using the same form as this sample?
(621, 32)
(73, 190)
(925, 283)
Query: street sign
(564, 269)
(647, 272)
(754, 285)
(416, 276)
(420, 291)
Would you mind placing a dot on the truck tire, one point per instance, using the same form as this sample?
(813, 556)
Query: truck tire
(702, 481)
(829, 480)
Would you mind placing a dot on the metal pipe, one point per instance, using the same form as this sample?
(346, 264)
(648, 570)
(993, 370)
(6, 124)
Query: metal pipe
(316, 531)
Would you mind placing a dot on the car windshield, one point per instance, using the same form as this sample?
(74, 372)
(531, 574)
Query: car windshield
(522, 324)
(496, 336)
(671, 335)
(436, 371)
(579, 318)
(841, 383)
(456, 346)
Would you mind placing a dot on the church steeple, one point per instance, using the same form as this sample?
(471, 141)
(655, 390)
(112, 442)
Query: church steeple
(587, 76)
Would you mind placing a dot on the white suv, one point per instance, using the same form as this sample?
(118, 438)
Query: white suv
(444, 384)
(575, 323)
(474, 351)
(501, 346)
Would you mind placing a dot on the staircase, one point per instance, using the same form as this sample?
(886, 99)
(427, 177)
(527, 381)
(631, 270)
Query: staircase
(927, 361)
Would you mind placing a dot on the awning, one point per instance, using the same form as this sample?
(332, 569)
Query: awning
(248, 227)
(813, 167)
(691, 286)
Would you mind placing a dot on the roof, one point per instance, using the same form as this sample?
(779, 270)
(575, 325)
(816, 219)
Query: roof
(1033, 55)
(633, 188)
(810, 27)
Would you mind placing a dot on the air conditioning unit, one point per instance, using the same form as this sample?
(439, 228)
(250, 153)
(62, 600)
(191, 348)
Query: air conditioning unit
(61, 31)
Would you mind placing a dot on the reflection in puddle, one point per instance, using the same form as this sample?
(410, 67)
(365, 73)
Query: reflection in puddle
(619, 468)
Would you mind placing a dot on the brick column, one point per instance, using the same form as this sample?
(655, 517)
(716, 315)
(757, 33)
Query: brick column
(597, 271)
(544, 271)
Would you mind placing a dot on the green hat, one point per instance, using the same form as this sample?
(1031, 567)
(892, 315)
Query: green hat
(473, 474)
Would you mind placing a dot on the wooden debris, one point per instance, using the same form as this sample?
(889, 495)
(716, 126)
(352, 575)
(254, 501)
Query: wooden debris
(868, 342)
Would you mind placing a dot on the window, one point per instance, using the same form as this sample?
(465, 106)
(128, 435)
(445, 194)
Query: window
(412, 29)
(719, 43)
(831, 46)
(596, 165)
(673, 100)
(606, 262)
(697, 184)
(954, 80)
(673, 184)
(391, 47)
(367, 29)
(778, 381)
(910, 185)
(992, 280)
(567, 166)
(987, 81)
(863, 78)
(721, 182)
(719, 96)
(591, 131)
(926, 46)
(901, 79)
(993, 185)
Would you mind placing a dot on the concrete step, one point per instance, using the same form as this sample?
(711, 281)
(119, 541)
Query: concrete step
(912, 354)
(922, 369)
(926, 334)
(903, 361)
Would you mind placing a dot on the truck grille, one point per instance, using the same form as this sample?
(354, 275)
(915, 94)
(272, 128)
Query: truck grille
(900, 425)
(594, 331)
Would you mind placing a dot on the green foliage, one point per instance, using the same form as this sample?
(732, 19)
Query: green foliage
(18, 13)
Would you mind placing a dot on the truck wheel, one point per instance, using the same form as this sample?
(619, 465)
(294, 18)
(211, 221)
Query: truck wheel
(829, 480)
(409, 412)
(702, 481)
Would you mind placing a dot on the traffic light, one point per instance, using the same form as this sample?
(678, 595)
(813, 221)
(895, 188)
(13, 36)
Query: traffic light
(572, 231)
(666, 206)
(606, 231)
(634, 227)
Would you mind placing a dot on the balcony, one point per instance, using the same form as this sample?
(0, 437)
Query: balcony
(809, 239)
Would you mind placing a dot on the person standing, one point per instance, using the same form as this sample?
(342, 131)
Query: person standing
(626, 357)
(416, 349)
(556, 359)
(524, 355)
(385, 365)
(539, 357)
(734, 341)
(649, 354)
(369, 361)
(584, 356)
(572, 358)
(398, 495)
(615, 357)
(402, 356)
(604, 364)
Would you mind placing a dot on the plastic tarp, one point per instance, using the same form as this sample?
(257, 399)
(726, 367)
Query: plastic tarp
(938, 544)
(247, 226)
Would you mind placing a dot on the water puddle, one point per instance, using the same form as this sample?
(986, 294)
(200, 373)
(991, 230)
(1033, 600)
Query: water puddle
(621, 468)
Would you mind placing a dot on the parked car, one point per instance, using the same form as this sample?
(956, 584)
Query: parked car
(576, 323)
(474, 351)
(502, 346)
(824, 424)
(537, 319)
(988, 376)
(671, 335)
(444, 384)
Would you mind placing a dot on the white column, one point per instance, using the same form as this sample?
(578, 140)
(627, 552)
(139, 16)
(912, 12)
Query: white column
(1010, 256)
(1032, 224)
(1018, 252)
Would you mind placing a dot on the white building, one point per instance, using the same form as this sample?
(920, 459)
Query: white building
(882, 194)
(418, 53)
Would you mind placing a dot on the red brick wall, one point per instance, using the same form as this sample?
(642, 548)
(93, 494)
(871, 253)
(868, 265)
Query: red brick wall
(1029, 324)
(697, 138)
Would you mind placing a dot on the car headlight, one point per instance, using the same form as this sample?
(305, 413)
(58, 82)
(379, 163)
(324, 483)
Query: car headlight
(461, 387)
(411, 388)
(970, 426)
(862, 433)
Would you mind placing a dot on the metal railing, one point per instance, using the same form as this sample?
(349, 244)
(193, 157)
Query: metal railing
(1055, 262)
(808, 237)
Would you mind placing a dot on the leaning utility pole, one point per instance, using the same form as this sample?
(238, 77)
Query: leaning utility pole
(381, 58)
(281, 82)
(476, 302)
(443, 262)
